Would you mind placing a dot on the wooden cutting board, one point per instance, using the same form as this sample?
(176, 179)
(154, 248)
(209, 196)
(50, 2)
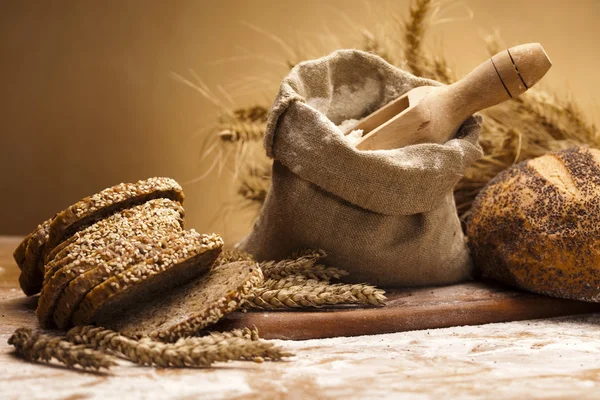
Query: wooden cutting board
(414, 309)
(409, 309)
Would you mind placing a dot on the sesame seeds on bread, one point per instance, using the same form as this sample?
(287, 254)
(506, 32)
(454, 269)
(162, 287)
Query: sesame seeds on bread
(93, 208)
(122, 258)
(145, 247)
(157, 214)
(189, 308)
(186, 258)
(536, 226)
(32, 254)
(125, 236)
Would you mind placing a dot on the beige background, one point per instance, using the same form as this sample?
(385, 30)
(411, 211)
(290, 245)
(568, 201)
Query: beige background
(88, 100)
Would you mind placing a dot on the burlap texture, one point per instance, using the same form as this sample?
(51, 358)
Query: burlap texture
(386, 216)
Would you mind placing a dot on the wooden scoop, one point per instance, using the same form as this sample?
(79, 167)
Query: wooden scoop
(433, 114)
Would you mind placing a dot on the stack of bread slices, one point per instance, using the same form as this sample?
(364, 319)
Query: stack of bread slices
(121, 259)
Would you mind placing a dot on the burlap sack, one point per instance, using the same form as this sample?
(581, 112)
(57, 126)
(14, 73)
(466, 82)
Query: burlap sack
(387, 216)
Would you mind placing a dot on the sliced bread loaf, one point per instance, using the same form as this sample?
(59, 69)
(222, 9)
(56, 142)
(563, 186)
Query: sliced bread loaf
(80, 215)
(186, 258)
(94, 208)
(157, 214)
(32, 264)
(72, 295)
(187, 309)
(131, 248)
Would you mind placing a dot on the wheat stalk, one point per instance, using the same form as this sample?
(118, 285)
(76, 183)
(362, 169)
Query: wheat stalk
(35, 346)
(298, 292)
(186, 352)
(302, 264)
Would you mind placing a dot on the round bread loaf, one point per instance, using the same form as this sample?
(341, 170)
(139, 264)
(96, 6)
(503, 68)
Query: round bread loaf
(536, 226)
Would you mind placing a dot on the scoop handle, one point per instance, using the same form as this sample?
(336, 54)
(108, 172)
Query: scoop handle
(502, 77)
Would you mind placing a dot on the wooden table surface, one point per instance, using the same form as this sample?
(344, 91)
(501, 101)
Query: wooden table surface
(548, 358)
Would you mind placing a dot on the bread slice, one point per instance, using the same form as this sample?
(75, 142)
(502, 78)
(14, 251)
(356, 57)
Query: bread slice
(131, 249)
(187, 309)
(157, 214)
(99, 206)
(536, 225)
(80, 215)
(74, 293)
(186, 258)
(19, 253)
(31, 262)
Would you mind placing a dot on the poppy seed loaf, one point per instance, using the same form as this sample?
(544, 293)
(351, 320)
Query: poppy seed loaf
(537, 225)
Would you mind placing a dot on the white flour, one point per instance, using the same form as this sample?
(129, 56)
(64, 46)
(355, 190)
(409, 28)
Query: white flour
(352, 136)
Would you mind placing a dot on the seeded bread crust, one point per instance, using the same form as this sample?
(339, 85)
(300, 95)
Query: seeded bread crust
(186, 258)
(123, 225)
(187, 309)
(537, 226)
(32, 266)
(74, 293)
(93, 208)
(80, 215)
(140, 237)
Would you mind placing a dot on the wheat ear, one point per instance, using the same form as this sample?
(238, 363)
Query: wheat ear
(297, 292)
(302, 264)
(35, 346)
(186, 352)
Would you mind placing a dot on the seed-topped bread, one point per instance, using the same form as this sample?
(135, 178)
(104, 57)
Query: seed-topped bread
(186, 258)
(187, 309)
(133, 234)
(157, 214)
(80, 286)
(537, 225)
(30, 260)
(94, 208)
(80, 215)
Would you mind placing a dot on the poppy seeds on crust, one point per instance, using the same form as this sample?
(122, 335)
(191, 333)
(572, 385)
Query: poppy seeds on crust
(536, 225)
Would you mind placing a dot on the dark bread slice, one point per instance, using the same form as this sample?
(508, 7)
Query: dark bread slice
(186, 258)
(99, 206)
(19, 253)
(187, 309)
(74, 293)
(129, 249)
(32, 266)
(157, 214)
